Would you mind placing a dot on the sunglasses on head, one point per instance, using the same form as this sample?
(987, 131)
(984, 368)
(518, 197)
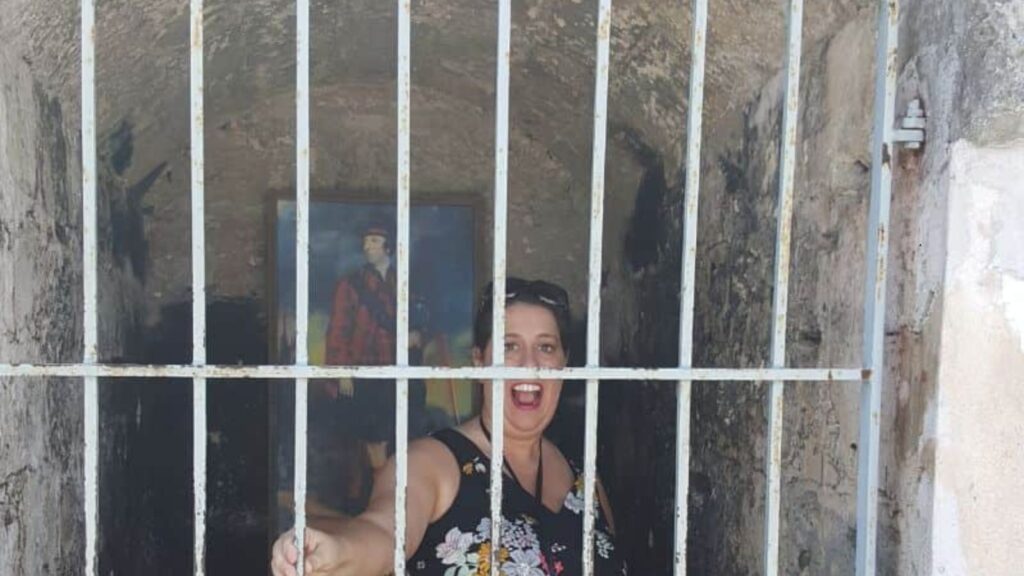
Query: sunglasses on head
(517, 289)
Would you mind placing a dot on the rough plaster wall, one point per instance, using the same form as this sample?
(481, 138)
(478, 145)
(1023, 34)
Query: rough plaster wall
(734, 279)
(966, 61)
(41, 527)
(826, 282)
(978, 510)
(142, 98)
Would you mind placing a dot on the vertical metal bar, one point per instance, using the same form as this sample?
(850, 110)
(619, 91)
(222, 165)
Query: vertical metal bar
(604, 26)
(402, 277)
(198, 285)
(874, 297)
(301, 267)
(790, 114)
(692, 192)
(504, 57)
(90, 353)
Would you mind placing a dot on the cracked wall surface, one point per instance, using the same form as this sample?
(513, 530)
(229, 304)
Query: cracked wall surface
(41, 529)
(41, 515)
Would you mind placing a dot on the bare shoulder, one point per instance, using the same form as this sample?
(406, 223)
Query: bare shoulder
(432, 463)
(428, 450)
(562, 460)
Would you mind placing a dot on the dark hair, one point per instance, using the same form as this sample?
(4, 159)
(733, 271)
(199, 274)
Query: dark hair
(384, 232)
(537, 292)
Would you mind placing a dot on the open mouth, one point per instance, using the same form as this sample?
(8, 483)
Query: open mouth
(526, 396)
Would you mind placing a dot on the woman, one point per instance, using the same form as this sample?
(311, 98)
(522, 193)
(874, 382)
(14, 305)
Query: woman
(448, 505)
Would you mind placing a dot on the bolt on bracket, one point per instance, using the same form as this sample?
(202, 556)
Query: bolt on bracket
(910, 132)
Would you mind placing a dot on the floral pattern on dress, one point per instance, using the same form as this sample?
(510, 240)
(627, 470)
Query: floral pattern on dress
(574, 503)
(474, 466)
(469, 553)
(535, 541)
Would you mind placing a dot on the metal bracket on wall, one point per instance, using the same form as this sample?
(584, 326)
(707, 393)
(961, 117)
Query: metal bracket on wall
(911, 129)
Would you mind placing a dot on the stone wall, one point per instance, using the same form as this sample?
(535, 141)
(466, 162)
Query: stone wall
(736, 239)
(42, 528)
(40, 419)
(959, 509)
(40, 285)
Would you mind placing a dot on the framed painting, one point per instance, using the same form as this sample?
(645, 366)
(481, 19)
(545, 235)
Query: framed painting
(352, 301)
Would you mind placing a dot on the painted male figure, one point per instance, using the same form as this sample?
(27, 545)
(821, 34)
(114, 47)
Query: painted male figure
(361, 332)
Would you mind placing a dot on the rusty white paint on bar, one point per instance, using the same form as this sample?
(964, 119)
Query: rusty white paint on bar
(691, 203)
(874, 297)
(90, 354)
(780, 308)
(198, 285)
(301, 268)
(604, 28)
(504, 57)
(402, 278)
(433, 372)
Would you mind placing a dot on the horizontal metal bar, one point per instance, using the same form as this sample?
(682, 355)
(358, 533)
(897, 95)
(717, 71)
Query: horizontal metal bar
(905, 135)
(414, 372)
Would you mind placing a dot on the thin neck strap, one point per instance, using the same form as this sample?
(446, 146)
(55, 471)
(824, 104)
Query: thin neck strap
(539, 484)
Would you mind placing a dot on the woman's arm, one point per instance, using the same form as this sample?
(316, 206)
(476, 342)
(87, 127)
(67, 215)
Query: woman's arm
(364, 545)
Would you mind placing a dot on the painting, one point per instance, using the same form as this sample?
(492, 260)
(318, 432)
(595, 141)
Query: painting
(352, 311)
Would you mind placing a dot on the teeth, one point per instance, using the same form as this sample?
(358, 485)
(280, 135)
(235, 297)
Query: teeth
(526, 388)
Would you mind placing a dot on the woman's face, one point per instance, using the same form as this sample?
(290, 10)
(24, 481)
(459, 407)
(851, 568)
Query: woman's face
(532, 340)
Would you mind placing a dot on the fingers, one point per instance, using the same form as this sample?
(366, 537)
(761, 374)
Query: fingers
(321, 552)
(282, 561)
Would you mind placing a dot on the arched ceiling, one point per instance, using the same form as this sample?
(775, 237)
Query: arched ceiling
(142, 96)
(142, 55)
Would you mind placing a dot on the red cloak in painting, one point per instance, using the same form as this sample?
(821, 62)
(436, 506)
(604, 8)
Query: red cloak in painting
(362, 326)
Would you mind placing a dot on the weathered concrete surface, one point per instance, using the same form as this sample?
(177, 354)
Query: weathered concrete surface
(143, 107)
(966, 61)
(41, 528)
(41, 517)
(978, 511)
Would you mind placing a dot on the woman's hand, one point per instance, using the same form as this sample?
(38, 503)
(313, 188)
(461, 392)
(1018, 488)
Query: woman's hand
(325, 554)
(364, 546)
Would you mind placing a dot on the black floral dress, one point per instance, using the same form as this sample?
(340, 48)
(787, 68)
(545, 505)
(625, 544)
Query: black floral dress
(535, 541)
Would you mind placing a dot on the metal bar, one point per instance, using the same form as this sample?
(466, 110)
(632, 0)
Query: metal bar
(90, 354)
(433, 372)
(301, 269)
(692, 192)
(874, 297)
(198, 285)
(402, 278)
(504, 56)
(604, 25)
(787, 164)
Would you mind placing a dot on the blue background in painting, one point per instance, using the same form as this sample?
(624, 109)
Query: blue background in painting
(440, 267)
